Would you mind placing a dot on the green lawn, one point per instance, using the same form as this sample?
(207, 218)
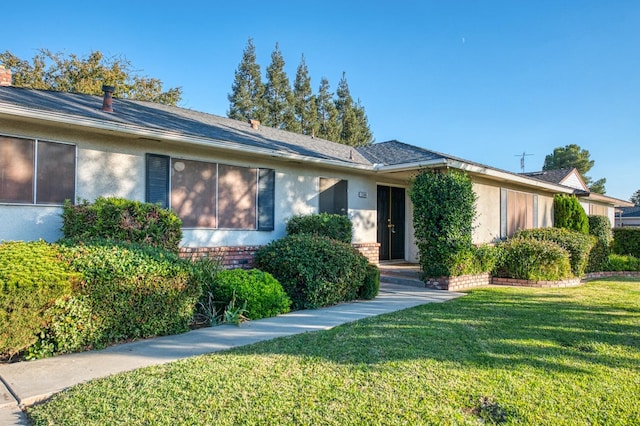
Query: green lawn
(514, 355)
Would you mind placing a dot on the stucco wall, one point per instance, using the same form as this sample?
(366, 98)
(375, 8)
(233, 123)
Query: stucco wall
(109, 166)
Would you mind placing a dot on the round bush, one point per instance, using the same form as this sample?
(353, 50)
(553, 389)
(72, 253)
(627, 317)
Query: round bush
(535, 260)
(334, 226)
(314, 271)
(371, 285)
(259, 292)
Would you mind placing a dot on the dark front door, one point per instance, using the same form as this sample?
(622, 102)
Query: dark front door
(391, 222)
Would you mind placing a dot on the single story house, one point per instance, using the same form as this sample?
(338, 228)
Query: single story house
(233, 183)
(628, 216)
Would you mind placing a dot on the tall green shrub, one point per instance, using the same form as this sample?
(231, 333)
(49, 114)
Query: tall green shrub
(626, 241)
(315, 271)
(531, 259)
(577, 244)
(444, 210)
(124, 220)
(32, 277)
(334, 226)
(568, 213)
(600, 228)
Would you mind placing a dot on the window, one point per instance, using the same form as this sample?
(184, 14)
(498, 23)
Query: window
(211, 195)
(598, 210)
(518, 210)
(36, 172)
(333, 196)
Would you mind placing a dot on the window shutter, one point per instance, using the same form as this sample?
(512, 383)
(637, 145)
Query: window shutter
(157, 185)
(266, 199)
(503, 213)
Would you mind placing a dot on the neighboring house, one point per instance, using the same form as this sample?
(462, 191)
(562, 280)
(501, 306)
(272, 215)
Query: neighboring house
(628, 216)
(234, 184)
(592, 203)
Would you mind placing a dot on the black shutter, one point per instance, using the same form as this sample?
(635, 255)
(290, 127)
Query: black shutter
(157, 187)
(266, 199)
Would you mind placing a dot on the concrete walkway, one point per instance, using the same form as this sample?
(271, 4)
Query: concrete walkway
(26, 383)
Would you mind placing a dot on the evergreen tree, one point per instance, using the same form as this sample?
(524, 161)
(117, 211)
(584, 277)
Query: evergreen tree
(354, 127)
(246, 97)
(574, 156)
(278, 97)
(305, 106)
(327, 113)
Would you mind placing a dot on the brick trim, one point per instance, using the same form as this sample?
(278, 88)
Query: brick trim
(370, 250)
(539, 284)
(611, 274)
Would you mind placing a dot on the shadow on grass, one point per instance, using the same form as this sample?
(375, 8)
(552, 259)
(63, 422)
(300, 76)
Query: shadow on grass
(556, 330)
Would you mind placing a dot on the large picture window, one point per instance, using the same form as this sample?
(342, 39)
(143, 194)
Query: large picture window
(518, 210)
(211, 195)
(36, 172)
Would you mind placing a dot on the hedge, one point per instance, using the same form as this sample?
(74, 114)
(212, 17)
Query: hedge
(531, 259)
(334, 226)
(32, 277)
(315, 271)
(626, 241)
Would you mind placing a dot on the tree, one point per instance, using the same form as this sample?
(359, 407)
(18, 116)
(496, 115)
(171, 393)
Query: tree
(75, 74)
(571, 156)
(635, 198)
(354, 128)
(245, 99)
(304, 102)
(278, 97)
(327, 113)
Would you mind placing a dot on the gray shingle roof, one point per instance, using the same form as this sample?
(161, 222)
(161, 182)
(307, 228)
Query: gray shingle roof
(630, 211)
(553, 176)
(395, 152)
(180, 120)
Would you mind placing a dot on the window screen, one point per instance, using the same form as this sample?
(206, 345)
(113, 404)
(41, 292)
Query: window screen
(237, 188)
(333, 196)
(16, 170)
(56, 173)
(193, 193)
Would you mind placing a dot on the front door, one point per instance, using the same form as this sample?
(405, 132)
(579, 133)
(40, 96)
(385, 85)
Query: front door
(391, 222)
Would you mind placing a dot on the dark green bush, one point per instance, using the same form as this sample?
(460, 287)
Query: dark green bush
(577, 244)
(488, 257)
(315, 271)
(444, 209)
(600, 228)
(621, 263)
(531, 259)
(334, 226)
(122, 220)
(568, 213)
(626, 241)
(32, 277)
(371, 286)
(135, 291)
(259, 292)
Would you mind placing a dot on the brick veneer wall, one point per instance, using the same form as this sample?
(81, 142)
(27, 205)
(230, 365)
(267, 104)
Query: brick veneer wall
(541, 284)
(232, 257)
(598, 275)
(458, 283)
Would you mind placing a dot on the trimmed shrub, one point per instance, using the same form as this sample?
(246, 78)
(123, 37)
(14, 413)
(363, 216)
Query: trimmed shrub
(134, 291)
(577, 244)
(626, 241)
(258, 292)
(488, 257)
(32, 277)
(600, 228)
(122, 220)
(444, 209)
(334, 226)
(371, 286)
(568, 213)
(315, 271)
(621, 263)
(70, 326)
(536, 260)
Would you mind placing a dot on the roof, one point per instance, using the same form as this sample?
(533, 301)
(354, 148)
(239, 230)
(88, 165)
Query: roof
(630, 211)
(148, 115)
(553, 176)
(395, 152)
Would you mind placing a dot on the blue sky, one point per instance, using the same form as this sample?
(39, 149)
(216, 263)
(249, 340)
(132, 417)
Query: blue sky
(483, 80)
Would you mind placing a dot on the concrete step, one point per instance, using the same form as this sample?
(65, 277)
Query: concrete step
(393, 279)
(403, 274)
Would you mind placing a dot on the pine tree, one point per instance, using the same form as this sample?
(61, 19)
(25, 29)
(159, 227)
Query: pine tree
(246, 97)
(305, 106)
(352, 119)
(278, 96)
(327, 113)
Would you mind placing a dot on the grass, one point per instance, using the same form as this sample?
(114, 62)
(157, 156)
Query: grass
(499, 355)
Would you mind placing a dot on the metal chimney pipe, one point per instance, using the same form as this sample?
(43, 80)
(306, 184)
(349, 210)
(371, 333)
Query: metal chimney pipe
(107, 102)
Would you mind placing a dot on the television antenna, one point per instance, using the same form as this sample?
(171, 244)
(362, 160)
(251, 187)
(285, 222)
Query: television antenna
(524, 154)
